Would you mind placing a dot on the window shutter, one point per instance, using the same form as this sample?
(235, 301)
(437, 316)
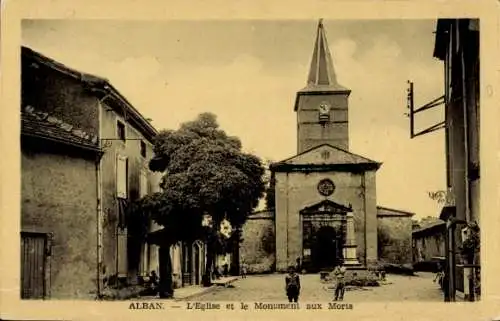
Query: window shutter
(121, 177)
(143, 189)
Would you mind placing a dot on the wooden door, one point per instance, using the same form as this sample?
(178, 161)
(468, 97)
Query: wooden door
(34, 260)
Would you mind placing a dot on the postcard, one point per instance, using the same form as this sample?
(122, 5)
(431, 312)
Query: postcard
(236, 160)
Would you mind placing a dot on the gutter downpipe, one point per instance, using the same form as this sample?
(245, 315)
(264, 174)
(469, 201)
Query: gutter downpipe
(363, 185)
(99, 200)
(449, 175)
(466, 271)
(99, 223)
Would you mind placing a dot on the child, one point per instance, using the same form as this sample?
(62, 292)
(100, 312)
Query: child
(339, 273)
(243, 271)
(292, 285)
(154, 282)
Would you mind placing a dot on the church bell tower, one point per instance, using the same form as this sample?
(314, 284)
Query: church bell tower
(322, 106)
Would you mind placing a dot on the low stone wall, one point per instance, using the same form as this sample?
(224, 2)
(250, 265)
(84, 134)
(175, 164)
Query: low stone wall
(357, 277)
(394, 240)
(257, 250)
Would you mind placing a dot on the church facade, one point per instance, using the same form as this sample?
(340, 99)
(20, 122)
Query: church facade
(325, 209)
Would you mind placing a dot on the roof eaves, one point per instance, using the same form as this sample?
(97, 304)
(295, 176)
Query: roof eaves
(319, 90)
(396, 212)
(441, 38)
(60, 140)
(283, 167)
(429, 227)
(115, 94)
(334, 147)
(62, 68)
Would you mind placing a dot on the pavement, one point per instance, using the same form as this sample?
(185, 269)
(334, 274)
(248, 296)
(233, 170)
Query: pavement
(191, 291)
(271, 287)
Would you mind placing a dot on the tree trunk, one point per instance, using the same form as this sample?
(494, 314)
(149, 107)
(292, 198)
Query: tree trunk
(165, 287)
(235, 251)
(207, 276)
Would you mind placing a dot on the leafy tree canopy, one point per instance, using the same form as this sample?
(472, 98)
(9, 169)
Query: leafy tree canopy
(205, 171)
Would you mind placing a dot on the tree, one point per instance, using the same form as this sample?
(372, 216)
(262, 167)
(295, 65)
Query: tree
(383, 241)
(271, 193)
(205, 172)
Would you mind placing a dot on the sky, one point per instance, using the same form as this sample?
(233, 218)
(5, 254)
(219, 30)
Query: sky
(247, 72)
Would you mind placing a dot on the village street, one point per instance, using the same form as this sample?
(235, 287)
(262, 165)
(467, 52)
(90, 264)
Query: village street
(270, 287)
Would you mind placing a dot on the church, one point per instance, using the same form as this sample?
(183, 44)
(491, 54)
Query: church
(325, 209)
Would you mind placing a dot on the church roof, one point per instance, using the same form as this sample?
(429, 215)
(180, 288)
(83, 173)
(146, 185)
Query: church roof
(326, 157)
(322, 77)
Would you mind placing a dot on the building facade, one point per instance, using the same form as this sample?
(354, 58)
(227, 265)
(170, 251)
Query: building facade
(457, 45)
(324, 210)
(325, 196)
(78, 196)
(429, 243)
(58, 209)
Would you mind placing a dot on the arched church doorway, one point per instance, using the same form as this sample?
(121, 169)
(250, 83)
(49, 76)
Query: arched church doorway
(325, 248)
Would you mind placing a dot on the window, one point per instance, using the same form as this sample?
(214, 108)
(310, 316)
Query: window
(121, 176)
(143, 149)
(120, 127)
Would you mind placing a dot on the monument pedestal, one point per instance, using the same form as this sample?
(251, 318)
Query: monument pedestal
(349, 250)
(350, 258)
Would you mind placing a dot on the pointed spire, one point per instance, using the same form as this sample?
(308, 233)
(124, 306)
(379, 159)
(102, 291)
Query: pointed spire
(321, 74)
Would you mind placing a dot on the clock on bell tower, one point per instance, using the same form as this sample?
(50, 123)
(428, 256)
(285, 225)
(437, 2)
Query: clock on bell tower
(322, 106)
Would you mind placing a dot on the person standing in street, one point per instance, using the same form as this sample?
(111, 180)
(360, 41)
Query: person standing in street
(292, 285)
(243, 270)
(225, 266)
(339, 274)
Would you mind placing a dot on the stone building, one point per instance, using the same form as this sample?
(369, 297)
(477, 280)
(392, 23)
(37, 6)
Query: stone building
(457, 45)
(394, 235)
(428, 242)
(58, 209)
(325, 209)
(85, 151)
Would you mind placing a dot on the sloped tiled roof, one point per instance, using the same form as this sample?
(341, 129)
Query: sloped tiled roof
(42, 125)
(99, 85)
(429, 227)
(386, 211)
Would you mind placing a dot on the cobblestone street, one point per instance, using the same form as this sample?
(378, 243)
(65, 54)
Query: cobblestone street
(265, 288)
